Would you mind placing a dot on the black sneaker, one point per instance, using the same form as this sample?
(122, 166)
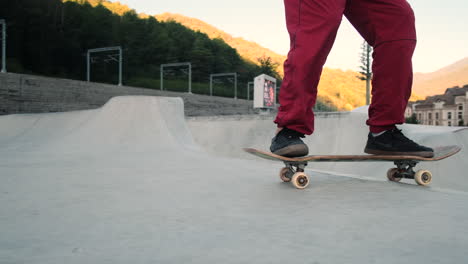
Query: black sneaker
(393, 142)
(288, 143)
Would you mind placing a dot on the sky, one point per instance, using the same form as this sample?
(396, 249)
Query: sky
(442, 28)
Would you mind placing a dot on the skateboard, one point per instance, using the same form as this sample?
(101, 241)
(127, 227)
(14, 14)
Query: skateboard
(294, 170)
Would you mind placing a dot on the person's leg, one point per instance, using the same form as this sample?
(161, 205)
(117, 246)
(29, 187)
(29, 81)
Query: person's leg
(312, 27)
(388, 26)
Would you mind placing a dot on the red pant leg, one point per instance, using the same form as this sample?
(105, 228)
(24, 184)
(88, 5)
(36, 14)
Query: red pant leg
(388, 26)
(312, 27)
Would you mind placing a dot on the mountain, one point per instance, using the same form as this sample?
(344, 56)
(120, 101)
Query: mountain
(427, 84)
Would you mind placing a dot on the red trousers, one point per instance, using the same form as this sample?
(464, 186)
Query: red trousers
(387, 25)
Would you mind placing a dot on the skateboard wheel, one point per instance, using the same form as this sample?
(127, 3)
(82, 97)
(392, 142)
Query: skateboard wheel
(300, 180)
(284, 173)
(393, 175)
(423, 177)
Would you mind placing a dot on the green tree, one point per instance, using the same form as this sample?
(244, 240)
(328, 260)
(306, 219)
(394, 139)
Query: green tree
(267, 66)
(412, 119)
(201, 57)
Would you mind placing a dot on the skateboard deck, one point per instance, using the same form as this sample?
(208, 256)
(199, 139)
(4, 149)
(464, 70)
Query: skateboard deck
(294, 170)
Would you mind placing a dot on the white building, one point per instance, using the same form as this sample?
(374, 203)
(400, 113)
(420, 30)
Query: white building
(449, 109)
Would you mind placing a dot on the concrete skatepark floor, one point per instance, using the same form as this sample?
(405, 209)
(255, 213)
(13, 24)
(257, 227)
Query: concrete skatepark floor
(135, 182)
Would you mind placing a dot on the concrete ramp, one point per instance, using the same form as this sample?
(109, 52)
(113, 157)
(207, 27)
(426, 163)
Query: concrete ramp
(124, 124)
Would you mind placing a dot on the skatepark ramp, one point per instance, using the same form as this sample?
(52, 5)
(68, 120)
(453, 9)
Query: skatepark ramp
(124, 124)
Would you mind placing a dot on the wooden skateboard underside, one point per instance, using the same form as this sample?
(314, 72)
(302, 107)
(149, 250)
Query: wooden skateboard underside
(294, 170)
(439, 154)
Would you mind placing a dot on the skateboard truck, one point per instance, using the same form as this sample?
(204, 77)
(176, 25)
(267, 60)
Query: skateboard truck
(300, 165)
(294, 172)
(405, 170)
